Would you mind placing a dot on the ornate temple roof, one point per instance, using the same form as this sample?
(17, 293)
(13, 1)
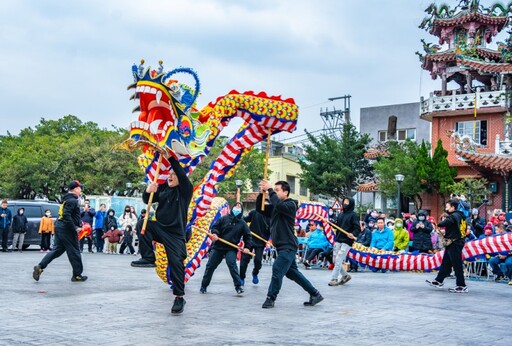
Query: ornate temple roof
(491, 162)
(375, 152)
(467, 17)
(369, 186)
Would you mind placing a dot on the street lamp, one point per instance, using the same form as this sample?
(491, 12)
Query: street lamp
(239, 184)
(399, 178)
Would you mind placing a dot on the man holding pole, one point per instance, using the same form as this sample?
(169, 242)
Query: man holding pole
(173, 199)
(259, 226)
(281, 211)
(231, 228)
(349, 222)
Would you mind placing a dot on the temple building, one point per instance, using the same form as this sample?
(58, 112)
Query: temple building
(470, 112)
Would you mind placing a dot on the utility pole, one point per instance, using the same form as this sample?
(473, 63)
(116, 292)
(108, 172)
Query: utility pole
(335, 118)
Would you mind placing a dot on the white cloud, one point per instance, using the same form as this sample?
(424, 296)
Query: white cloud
(62, 57)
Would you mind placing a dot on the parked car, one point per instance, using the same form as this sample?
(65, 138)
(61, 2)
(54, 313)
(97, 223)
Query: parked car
(34, 211)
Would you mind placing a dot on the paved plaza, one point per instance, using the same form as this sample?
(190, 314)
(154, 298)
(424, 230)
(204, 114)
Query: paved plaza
(121, 305)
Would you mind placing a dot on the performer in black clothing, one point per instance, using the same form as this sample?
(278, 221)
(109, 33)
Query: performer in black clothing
(67, 226)
(231, 228)
(281, 211)
(173, 198)
(455, 231)
(260, 225)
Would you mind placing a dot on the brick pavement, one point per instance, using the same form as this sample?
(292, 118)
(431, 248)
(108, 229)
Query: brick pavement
(121, 305)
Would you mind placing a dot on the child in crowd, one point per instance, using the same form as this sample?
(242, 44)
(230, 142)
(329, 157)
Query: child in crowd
(46, 229)
(127, 240)
(114, 238)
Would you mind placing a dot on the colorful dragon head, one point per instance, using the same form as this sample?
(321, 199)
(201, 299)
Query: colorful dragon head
(169, 123)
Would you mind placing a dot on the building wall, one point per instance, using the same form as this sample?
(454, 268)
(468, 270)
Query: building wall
(375, 119)
(440, 126)
(282, 167)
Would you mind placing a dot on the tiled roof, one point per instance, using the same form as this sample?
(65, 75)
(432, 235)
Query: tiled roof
(369, 186)
(468, 17)
(488, 161)
(490, 67)
(373, 153)
(483, 66)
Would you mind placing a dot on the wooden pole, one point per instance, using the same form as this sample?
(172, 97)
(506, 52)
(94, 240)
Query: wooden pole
(260, 238)
(334, 225)
(150, 201)
(265, 171)
(222, 240)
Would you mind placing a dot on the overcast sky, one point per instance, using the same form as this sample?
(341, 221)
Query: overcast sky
(75, 57)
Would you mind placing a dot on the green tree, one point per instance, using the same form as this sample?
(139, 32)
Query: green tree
(43, 160)
(401, 160)
(442, 174)
(249, 170)
(475, 190)
(424, 167)
(333, 167)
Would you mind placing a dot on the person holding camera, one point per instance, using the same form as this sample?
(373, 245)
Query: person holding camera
(422, 228)
(87, 215)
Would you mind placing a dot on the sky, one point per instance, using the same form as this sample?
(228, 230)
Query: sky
(75, 57)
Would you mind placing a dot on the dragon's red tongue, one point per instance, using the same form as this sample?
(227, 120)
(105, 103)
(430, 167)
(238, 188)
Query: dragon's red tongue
(156, 126)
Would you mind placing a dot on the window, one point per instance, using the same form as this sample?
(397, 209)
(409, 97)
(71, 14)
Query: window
(31, 210)
(291, 180)
(476, 130)
(303, 190)
(402, 135)
(411, 134)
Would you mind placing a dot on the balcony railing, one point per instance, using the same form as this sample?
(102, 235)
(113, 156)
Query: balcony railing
(456, 101)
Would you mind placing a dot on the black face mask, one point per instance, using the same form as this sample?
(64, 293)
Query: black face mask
(345, 206)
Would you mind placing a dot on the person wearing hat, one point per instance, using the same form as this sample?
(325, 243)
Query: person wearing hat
(173, 198)
(67, 226)
(5, 222)
(232, 228)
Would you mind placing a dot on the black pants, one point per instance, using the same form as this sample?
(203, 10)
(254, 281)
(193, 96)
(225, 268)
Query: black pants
(312, 253)
(174, 243)
(99, 240)
(258, 258)
(452, 258)
(216, 257)
(45, 240)
(285, 265)
(89, 243)
(123, 247)
(65, 241)
(3, 234)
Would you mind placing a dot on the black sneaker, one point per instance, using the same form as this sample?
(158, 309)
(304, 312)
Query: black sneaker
(499, 278)
(269, 304)
(459, 289)
(313, 300)
(143, 263)
(178, 306)
(202, 290)
(79, 278)
(434, 283)
(37, 272)
(239, 290)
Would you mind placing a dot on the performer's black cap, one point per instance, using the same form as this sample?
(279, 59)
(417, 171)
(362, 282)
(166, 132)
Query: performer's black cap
(74, 184)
